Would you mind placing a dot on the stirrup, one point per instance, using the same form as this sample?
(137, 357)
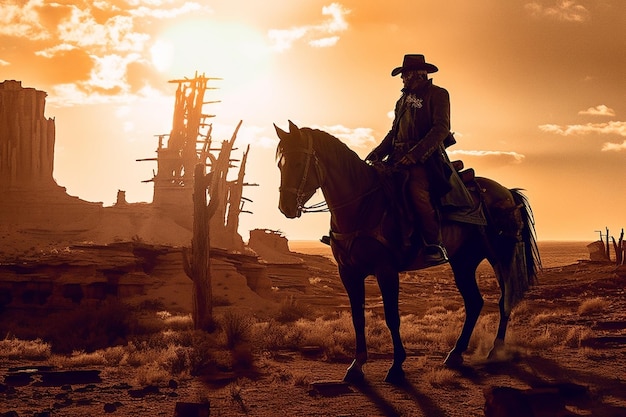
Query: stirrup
(438, 256)
(442, 251)
(325, 240)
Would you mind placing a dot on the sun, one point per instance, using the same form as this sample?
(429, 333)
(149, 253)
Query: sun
(226, 50)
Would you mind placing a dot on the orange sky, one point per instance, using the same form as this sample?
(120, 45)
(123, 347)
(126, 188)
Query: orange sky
(537, 90)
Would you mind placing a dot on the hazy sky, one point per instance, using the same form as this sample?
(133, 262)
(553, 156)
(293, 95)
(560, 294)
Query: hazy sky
(538, 90)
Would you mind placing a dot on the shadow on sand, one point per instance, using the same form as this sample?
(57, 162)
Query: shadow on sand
(585, 390)
(424, 402)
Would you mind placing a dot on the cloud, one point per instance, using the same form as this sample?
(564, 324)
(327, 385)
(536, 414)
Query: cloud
(22, 20)
(4, 63)
(55, 50)
(610, 128)
(562, 10)
(498, 158)
(616, 147)
(116, 33)
(159, 12)
(360, 137)
(600, 110)
(102, 39)
(317, 36)
(324, 42)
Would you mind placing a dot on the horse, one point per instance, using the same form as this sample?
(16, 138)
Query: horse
(365, 231)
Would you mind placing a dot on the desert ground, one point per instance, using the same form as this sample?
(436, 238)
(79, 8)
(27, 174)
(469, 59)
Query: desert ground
(285, 354)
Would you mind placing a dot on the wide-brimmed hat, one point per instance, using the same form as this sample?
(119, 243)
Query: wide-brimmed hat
(414, 62)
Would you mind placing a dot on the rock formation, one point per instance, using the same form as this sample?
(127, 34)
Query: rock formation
(26, 138)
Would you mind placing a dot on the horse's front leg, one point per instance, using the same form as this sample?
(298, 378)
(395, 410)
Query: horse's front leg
(355, 287)
(388, 282)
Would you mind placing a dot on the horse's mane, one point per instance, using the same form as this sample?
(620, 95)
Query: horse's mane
(328, 144)
(333, 151)
(333, 147)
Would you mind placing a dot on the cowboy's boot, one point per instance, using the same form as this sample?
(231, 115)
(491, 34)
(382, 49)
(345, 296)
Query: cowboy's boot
(434, 252)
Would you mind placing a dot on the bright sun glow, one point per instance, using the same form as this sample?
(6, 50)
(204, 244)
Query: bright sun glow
(225, 50)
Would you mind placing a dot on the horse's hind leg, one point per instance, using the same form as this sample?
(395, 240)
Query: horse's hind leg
(505, 312)
(464, 269)
(388, 282)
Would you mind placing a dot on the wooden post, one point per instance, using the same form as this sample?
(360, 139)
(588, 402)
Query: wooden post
(618, 247)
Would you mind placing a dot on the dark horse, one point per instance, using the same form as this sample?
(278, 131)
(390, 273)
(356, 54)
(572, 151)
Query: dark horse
(365, 230)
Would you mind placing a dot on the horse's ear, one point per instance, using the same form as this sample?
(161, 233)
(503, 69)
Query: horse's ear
(292, 127)
(281, 133)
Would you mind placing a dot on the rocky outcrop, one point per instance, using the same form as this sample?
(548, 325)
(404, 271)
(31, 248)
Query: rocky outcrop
(26, 138)
(88, 274)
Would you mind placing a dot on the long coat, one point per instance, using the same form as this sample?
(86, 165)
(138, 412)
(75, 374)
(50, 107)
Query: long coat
(420, 127)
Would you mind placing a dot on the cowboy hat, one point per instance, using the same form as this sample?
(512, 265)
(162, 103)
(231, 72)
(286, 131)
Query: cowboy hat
(414, 62)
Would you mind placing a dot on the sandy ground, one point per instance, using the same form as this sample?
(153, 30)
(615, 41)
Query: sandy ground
(281, 385)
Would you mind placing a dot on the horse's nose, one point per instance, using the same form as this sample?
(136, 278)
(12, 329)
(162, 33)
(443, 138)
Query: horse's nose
(289, 211)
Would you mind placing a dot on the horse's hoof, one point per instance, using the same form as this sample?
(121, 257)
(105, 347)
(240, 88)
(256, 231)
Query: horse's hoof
(354, 376)
(453, 360)
(497, 353)
(395, 376)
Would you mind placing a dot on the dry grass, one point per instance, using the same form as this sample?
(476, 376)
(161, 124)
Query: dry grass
(14, 348)
(290, 310)
(237, 328)
(443, 377)
(594, 305)
(165, 344)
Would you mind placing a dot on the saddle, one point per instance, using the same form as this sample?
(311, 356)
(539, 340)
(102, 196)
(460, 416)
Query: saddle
(461, 204)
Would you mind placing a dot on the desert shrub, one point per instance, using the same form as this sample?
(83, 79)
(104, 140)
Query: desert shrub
(237, 328)
(202, 354)
(13, 348)
(291, 310)
(179, 322)
(547, 318)
(334, 336)
(438, 329)
(442, 377)
(114, 355)
(151, 374)
(176, 337)
(593, 306)
(270, 335)
(176, 359)
(141, 353)
(544, 340)
(524, 308)
(81, 359)
(575, 335)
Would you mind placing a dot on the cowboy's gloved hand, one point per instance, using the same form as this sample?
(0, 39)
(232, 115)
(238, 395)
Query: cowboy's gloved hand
(407, 160)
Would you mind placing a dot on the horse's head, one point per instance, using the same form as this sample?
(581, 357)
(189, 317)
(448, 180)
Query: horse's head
(298, 167)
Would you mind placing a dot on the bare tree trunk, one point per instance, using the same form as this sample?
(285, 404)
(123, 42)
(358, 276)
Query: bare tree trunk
(199, 269)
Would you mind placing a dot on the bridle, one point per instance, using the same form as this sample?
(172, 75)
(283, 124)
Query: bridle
(300, 193)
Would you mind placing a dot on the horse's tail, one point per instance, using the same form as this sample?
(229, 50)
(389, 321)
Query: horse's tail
(520, 272)
(528, 235)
